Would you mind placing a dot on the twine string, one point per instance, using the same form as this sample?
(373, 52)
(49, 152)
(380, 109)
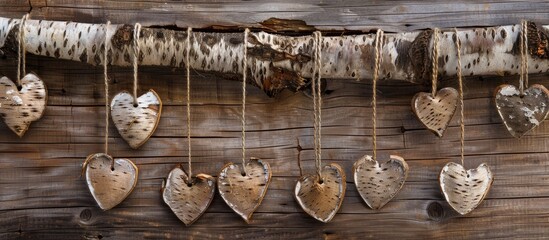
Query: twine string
(460, 81)
(313, 89)
(188, 72)
(21, 49)
(106, 76)
(136, 49)
(244, 80)
(434, 61)
(377, 65)
(316, 85)
(523, 82)
(319, 96)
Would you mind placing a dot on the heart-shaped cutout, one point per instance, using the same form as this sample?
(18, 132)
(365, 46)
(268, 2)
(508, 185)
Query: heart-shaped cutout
(435, 113)
(520, 114)
(109, 184)
(378, 182)
(322, 200)
(136, 124)
(188, 200)
(19, 108)
(464, 189)
(244, 192)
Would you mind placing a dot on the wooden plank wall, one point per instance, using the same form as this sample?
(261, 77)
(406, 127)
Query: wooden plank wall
(43, 197)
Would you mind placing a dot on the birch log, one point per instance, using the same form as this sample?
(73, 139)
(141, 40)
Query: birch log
(278, 62)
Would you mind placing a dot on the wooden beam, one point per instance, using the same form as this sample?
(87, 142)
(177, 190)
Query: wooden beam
(354, 15)
(278, 62)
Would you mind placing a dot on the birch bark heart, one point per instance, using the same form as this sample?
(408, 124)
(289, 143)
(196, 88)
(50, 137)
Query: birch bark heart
(322, 200)
(465, 190)
(188, 202)
(435, 113)
(520, 114)
(244, 193)
(18, 108)
(109, 186)
(136, 124)
(378, 182)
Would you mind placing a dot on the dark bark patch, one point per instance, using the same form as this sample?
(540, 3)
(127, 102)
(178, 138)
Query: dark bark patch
(419, 56)
(538, 45)
(266, 53)
(368, 55)
(281, 79)
(210, 40)
(84, 56)
(503, 33)
(11, 43)
(122, 37)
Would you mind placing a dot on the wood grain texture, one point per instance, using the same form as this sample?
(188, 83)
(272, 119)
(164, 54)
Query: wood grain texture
(136, 120)
(43, 197)
(393, 16)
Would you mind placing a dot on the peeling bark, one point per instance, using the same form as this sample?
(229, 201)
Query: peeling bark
(278, 62)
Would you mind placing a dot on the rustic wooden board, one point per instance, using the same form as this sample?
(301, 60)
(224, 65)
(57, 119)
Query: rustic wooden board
(393, 16)
(43, 197)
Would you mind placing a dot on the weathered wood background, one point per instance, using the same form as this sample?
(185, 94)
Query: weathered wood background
(43, 197)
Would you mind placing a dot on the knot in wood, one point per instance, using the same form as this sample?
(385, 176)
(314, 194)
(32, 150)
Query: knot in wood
(85, 215)
(435, 211)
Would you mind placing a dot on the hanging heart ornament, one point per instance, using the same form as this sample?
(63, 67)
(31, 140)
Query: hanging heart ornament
(378, 182)
(322, 199)
(18, 108)
(522, 113)
(244, 192)
(136, 124)
(109, 184)
(188, 200)
(464, 189)
(435, 113)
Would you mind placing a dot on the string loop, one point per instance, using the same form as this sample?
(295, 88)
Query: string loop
(317, 102)
(378, 57)
(136, 49)
(434, 61)
(21, 49)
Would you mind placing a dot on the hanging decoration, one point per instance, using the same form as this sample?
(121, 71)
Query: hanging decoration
(378, 182)
(23, 102)
(320, 195)
(243, 186)
(136, 118)
(464, 189)
(110, 180)
(187, 196)
(522, 110)
(436, 109)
